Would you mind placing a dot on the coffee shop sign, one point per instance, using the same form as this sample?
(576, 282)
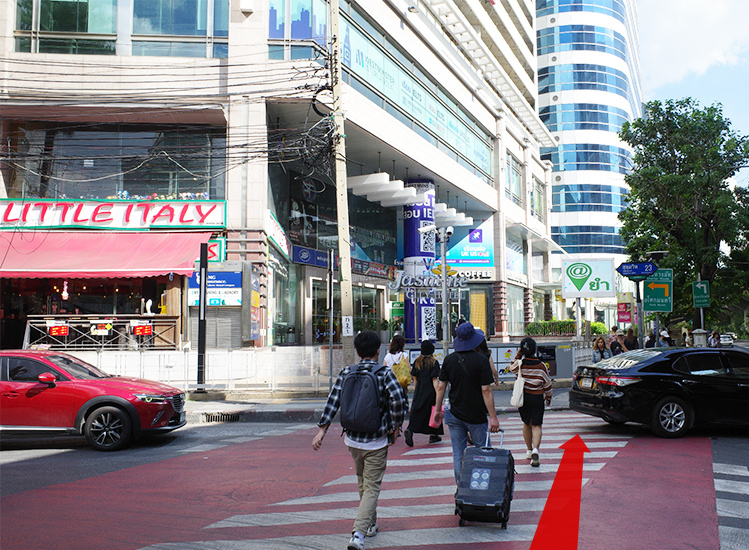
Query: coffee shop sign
(403, 281)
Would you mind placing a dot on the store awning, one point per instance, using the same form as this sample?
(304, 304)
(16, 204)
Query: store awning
(91, 254)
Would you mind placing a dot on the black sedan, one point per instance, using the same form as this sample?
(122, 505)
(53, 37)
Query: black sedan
(668, 389)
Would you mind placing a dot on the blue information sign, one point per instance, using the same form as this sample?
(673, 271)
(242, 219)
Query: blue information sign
(637, 270)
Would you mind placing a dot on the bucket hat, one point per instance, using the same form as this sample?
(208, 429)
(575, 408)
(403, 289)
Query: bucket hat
(467, 337)
(427, 348)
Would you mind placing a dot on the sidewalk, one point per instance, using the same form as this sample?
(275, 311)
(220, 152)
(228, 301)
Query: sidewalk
(309, 409)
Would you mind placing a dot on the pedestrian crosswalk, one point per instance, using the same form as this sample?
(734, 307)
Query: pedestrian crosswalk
(732, 503)
(416, 505)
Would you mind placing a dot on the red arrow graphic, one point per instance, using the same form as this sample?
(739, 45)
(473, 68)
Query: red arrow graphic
(560, 521)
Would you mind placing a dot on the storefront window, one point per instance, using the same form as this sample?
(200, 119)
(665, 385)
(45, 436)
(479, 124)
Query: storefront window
(514, 253)
(515, 312)
(284, 289)
(321, 315)
(367, 311)
(538, 306)
(306, 208)
(118, 162)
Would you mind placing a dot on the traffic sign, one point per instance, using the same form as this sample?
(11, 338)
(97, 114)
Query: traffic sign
(637, 271)
(658, 293)
(701, 293)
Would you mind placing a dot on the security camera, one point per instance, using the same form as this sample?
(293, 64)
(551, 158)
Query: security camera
(449, 231)
(427, 228)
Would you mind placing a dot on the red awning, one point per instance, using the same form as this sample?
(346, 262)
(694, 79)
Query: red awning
(91, 254)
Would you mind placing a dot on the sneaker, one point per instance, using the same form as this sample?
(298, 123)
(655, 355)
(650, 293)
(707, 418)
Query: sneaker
(528, 454)
(408, 434)
(434, 439)
(355, 543)
(372, 531)
(534, 458)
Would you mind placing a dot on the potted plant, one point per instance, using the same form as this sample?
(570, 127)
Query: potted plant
(384, 331)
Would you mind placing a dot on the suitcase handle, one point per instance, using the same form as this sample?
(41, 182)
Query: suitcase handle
(501, 439)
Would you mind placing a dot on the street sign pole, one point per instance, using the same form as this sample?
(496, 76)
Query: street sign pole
(637, 272)
(640, 320)
(702, 310)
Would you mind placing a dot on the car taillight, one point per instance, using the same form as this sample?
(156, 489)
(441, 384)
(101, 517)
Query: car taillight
(574, 376)
(617, 380)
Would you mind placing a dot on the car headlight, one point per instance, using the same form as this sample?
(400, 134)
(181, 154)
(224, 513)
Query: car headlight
(151, 398)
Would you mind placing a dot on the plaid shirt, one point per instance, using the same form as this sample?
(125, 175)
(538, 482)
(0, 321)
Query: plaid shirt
(392, 391)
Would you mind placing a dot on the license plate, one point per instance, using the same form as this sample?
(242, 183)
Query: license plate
(586, 383)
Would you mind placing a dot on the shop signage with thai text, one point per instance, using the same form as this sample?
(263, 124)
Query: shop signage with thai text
(117, 214)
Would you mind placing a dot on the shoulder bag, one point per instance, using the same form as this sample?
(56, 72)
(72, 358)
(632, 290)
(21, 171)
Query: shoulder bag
(517, 390)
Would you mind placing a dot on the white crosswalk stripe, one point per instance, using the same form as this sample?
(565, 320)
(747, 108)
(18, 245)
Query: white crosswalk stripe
(732, 487)
(419, 484)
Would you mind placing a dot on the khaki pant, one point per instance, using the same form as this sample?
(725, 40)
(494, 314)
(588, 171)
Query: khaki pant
(370, 469)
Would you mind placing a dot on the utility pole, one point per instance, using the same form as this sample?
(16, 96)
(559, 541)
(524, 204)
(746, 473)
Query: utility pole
(442, 234)
(339, 152)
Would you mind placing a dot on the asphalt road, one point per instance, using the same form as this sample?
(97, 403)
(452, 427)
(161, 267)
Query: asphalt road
(249, 486)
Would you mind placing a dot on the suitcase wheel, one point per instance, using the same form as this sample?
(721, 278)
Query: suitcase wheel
(461, 522)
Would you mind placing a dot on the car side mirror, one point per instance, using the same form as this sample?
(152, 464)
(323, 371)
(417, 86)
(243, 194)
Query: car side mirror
(47, 378)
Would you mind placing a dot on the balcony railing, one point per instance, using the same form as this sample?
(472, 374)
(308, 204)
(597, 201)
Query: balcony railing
(102, 332)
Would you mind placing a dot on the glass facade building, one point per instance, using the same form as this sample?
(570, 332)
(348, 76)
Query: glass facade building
(589, 85)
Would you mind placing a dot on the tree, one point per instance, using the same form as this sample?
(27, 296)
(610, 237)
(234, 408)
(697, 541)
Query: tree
(680, 199)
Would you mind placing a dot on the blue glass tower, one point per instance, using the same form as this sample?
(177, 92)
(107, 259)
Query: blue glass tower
(589, 84)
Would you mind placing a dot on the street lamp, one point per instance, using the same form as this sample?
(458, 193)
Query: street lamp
(443, 235)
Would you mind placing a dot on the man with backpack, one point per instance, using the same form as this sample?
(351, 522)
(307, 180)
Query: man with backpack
(372, 405)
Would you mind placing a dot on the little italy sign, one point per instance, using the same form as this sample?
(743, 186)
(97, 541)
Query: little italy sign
(116, 214)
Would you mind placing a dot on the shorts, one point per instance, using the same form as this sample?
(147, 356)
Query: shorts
(532, 411)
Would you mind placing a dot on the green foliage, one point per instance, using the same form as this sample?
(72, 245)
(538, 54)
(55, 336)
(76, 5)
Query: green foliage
(680, 200)
(550, 328)
(598, 328)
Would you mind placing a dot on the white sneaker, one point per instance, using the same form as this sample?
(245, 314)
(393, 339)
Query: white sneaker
(372, 531)
(528, 454)
(534, 458)
(355, 543)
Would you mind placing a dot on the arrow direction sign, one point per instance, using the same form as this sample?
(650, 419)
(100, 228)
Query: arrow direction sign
(701, 293)
(658, 292)
(653, 286)
(559, 527)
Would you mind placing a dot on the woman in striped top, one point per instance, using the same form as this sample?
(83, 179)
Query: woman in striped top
(536, 394)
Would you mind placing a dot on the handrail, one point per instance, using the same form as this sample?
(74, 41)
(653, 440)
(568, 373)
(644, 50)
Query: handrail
(102, 332)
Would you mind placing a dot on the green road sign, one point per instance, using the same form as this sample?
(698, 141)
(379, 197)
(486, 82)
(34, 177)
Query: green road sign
(701, 293)
(658, 293)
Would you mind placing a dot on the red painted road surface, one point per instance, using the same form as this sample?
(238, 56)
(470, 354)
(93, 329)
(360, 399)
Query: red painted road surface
(646, 493)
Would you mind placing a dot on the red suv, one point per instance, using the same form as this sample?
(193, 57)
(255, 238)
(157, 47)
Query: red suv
(48, 392)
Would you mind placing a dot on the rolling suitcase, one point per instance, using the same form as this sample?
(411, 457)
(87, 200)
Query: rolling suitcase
(485, 484)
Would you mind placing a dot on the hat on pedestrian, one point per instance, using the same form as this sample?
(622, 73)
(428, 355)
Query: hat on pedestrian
(664, 333)
(427, 348)
(467, 337)
(620, 332)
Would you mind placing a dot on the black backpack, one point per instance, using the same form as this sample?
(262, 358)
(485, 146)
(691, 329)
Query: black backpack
(361, 401)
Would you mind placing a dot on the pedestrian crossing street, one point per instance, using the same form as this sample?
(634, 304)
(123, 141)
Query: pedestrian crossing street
(416, 505)
(732, 502)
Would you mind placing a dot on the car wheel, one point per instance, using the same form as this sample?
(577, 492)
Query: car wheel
(671, 417)
(108, 429)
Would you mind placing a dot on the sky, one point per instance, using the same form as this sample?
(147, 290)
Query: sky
(698, 49)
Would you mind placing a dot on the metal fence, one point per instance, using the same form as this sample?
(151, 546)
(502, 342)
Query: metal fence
(119, 333)
(298, 369)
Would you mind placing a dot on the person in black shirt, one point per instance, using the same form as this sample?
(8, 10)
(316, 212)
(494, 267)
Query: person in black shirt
(470, 400)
